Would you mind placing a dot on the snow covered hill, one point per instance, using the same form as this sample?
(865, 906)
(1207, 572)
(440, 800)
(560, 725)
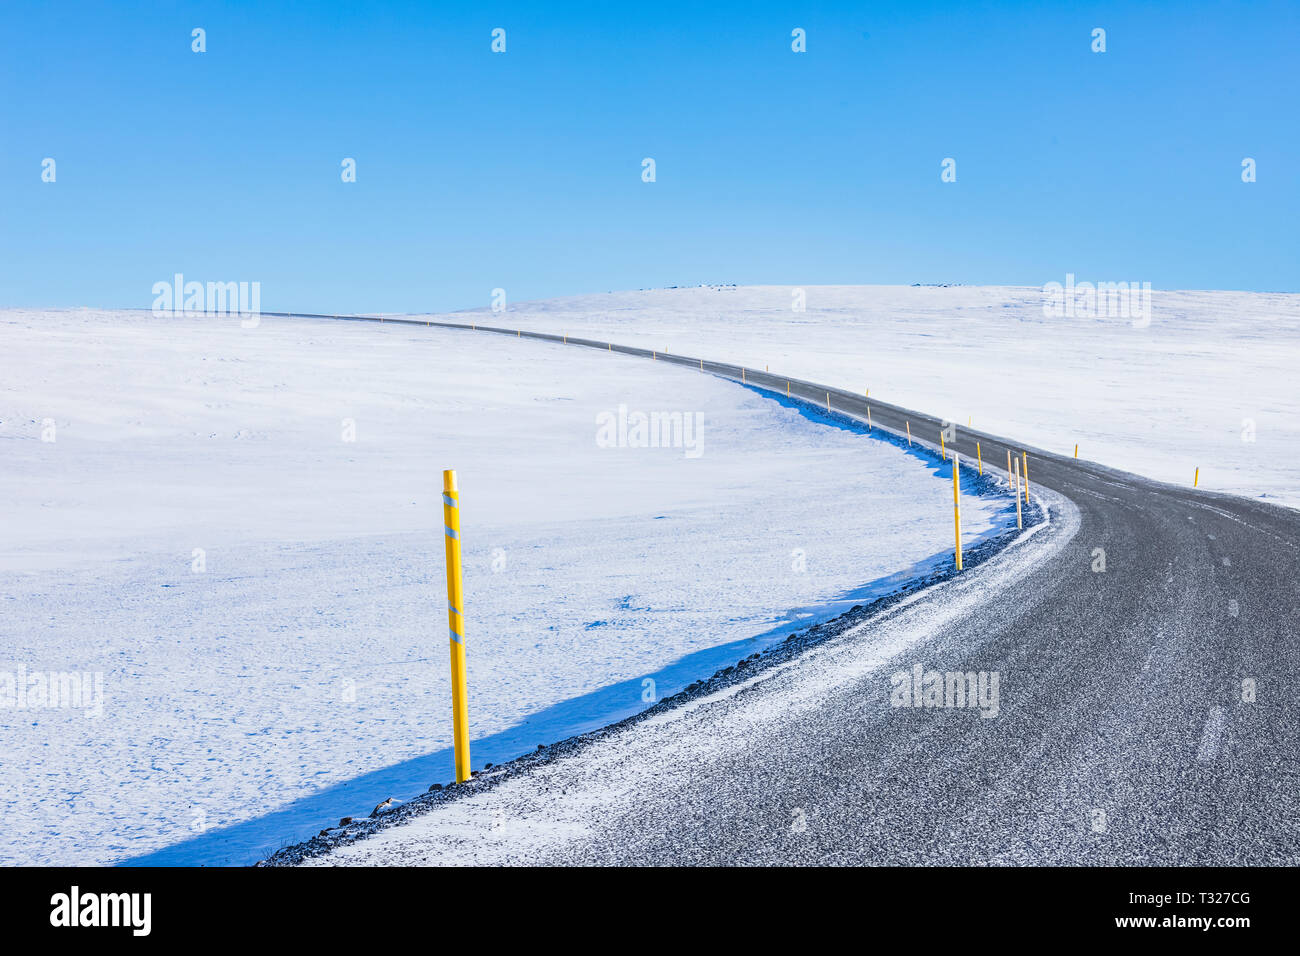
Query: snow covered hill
(1207, 379)
(237, 534)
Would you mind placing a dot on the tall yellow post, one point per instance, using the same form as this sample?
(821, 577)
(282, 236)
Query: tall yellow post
(1017, 490)
(1009, 472)
(1025, 455)
(943, 448)
(787, 389)
(456, 625)
(979, 456)
(909, 434)
(742, 373)
(1076, 451)
(1197, 480)
(701, 365)
(828, 401)
(956, 506)
(868, 418)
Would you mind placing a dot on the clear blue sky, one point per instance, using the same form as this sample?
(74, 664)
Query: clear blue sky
(523, 170)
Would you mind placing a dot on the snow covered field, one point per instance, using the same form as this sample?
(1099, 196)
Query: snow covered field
(238, 531)
(1209, 382)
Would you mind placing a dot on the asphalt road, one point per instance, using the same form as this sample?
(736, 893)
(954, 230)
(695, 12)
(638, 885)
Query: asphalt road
(1127, 731)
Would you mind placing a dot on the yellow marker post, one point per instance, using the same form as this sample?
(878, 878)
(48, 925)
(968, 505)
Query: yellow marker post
(787, 389)
(566, 338)
(956, 506)
(1076, 451)
(456, 625)
(868, 418)
(1017, 492)
(1025, 455)
(866, 393)
(943, 448)
(828, 401)
(979, 456)
(742, 373)
(654, 356)
(909, 434)
(701, 365)
(1009, 471)
(1197, 480)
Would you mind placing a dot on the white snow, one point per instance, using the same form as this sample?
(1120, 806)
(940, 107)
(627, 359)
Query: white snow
(1209, 382)
(301, 675)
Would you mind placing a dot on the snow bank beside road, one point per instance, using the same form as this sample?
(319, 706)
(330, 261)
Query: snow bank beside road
(264, 597)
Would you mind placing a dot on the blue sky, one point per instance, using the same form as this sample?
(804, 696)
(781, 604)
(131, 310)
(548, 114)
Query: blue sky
(522, 170)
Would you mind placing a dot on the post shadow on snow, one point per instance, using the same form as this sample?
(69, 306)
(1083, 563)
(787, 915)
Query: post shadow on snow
(255, 839)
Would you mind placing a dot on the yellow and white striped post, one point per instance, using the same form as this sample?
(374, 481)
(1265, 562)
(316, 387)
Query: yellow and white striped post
(956, 506)
(1025, 456)
(979, 456)
(456, 625)
(1017, 491)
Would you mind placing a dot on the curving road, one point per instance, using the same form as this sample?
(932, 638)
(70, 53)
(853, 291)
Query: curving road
(1127, 731)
